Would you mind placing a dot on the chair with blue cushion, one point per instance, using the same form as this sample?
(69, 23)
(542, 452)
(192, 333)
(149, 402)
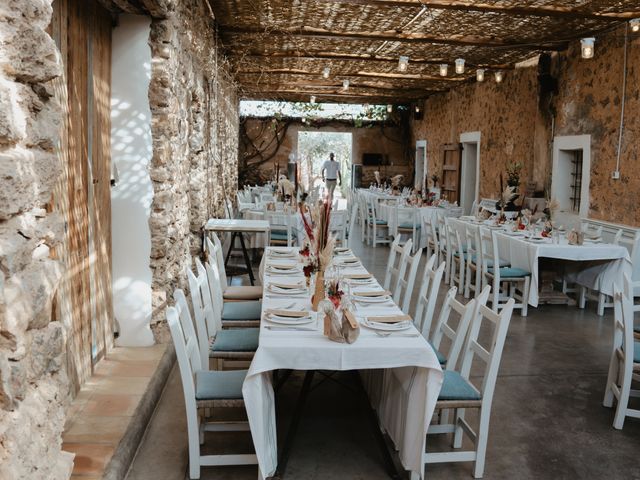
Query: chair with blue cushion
(232, 313)
(506, 282)
(624, 367)
(458, 252)
(204, 389)
(239, 344)
(395, 265)
(428, 296)
(378, 225)
(404, 290)
(459, 392)
(408, 222)
(430, 232)
(281, 229)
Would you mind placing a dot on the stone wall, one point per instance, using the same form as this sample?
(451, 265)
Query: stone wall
(258, 134)
(33, 383)
(517, 124)
(195, 133)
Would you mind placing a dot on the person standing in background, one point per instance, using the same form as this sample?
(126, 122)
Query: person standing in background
(331, 174)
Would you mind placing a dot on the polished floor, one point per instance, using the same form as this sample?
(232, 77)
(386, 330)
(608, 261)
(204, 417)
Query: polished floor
(547, 421)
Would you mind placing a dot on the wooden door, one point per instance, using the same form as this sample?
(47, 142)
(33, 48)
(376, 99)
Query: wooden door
(452, 156)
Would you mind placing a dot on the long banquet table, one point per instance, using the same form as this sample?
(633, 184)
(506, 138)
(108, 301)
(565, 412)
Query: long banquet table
(524, 254)
(403, 376)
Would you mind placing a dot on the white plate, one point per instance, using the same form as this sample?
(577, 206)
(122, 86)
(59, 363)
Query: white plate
(382, 299)
(537, 239)
(283, 270)
(277, 253)
(288, 320)
(285, 291)
(511, 233)
(388, 327)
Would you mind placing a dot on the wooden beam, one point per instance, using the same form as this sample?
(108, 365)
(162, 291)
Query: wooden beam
(422, 38)
(337, 93)
(474, 6)
(395, 76)
(320, 56)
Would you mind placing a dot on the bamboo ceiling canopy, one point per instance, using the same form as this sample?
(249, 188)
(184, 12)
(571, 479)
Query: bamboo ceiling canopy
(279, 48)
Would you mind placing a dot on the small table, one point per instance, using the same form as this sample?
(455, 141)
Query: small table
(237, 227)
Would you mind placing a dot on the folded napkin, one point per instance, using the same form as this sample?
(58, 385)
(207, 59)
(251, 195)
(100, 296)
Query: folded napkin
(389, 318)
(288, 313)
(372, 293)
(358, 276)
(292, 286)
(283, 266)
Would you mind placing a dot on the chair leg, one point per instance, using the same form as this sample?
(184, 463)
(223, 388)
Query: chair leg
(614, 367)
(481, 443)
(623, 401)
(582, 297)
(602, 298)
(525, 296)
(458, 434)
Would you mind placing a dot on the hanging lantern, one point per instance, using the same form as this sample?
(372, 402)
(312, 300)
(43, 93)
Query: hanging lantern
(326, 72)
(587, 47)
(403, 63)
(345, 85)
(635, 25)
(313, 99)
(499, 76)
(389, 108)
(443, 69)
(480, 75)
(460, 65)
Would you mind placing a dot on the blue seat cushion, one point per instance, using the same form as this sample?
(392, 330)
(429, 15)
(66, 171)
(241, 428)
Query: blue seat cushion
(408, 226)
(455, 387)
(219, 384)
(441, 358)
(503, 263)
(236, 340)
(513, 272)
(636, 352)
(242, 310)
(381, 222)
(281, 235)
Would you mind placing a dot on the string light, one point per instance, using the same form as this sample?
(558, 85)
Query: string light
(345, 85)
(499, 76)
(417, 108)
(313, 99)
(389, 108)
(635, 25)
(587, 47)
(480, 75)
(443, 69)
(460, 65)
(326, 72)
(403, 63)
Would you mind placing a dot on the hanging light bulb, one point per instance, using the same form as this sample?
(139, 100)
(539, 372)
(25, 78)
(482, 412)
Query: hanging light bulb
(345, 85)
(313, 99)
(635, 25)
(443, 69)
(499, 76)
(326, 72)
(460, 65)
(587, 47)
(403, 63)
(389, 108)
(480, 75)
(417, 108)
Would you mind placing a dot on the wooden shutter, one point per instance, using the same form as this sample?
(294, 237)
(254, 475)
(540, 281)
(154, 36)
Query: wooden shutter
(452, 154)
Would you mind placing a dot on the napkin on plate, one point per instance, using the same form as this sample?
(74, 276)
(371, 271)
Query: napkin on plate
(358, 276)
(288, 313)
(371, 293)
(291, 286)
(389, 318)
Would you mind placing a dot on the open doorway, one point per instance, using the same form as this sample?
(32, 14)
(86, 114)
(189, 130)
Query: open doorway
(420, 180)
(470, 167)
(314, 148)
(571, 176)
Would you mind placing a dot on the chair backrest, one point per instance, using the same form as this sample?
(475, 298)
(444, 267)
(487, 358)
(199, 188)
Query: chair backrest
(267, 197)
(623, 320)
(395, 263)
(338, 225)
(487, 253)
(430, 229)
(456, 333)
(492, 354)
(280, 221)
(215, 287)
(428, 295)
(352, 224)
(472, 243)
(187, 353)
(215, 254)
(402, 295)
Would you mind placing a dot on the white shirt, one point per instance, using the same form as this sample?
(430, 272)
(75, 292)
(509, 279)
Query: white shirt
(332, 169)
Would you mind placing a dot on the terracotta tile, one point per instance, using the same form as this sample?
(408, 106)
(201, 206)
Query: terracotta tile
(96, 429)
(112, 405)
(91, 459)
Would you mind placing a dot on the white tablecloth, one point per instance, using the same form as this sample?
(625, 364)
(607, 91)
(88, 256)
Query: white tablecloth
(521, 253)
(402, 375)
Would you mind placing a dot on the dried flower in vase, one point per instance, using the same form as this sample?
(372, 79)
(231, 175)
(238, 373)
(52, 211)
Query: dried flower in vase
(376, 174)
(334, 293)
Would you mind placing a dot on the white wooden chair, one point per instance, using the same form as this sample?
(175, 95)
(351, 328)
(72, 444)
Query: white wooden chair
(204, 389)
(234, 313)
(624, 367)
(281, 228)
(407, 280)
(506, 282)
(459, 393)
(473, 274)
(338, 226)
(457, 251)
(351, 231)
(395, 262)
(377, 225)
(428, 296)
(238, 344)
(408, 223)
(214, 253)
(430, 231)
(445, 250)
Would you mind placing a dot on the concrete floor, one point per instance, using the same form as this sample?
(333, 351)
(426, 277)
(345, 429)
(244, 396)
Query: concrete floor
(547, 421)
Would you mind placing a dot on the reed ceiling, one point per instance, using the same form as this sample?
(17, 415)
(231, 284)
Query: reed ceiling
(279, 48)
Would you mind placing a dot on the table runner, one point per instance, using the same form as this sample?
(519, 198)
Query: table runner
(402, 376)
(523, 254)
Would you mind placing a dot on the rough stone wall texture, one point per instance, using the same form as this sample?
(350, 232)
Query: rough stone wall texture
(33, 382)
(195, 133)
(513, 126)
(589, 102)
(387, 140)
